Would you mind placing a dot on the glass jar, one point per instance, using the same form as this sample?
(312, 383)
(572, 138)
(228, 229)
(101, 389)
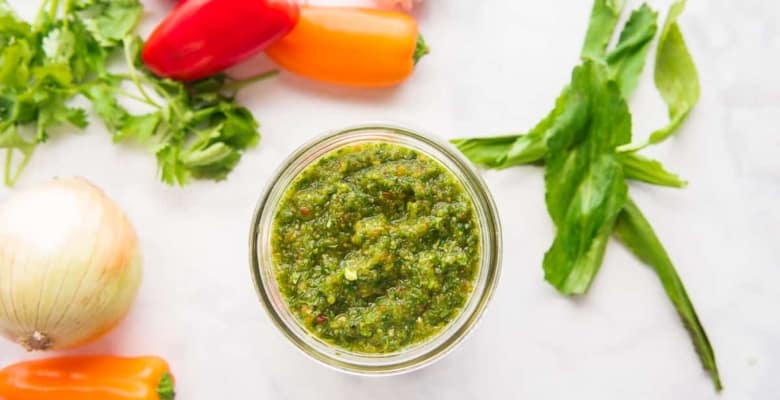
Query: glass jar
(416, 355)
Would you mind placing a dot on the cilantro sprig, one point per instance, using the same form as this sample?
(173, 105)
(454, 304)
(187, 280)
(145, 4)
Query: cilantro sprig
(195, 130)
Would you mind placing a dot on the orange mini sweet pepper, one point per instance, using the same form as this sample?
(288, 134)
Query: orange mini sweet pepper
(88, 378)
(351, 46)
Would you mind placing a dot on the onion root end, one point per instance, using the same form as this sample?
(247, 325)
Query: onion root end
(36, 341)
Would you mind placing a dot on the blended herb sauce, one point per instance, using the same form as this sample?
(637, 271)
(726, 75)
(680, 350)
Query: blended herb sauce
(376, 247)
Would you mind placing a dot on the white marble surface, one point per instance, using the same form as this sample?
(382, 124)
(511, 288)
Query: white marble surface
(496, 67)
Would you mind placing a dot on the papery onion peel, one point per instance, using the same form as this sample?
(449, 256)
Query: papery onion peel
(70, 265)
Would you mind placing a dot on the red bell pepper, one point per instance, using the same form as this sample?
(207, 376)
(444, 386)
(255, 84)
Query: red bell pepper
(200, 38)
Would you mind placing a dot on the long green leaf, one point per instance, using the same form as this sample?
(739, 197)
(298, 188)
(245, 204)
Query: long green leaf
(627, 59)
(676, 77)
(633, 229)
(511, 150)
(603, 18)
(625, 63)
(492, 152)
(675, 74)
(646, 170)
(584, 180)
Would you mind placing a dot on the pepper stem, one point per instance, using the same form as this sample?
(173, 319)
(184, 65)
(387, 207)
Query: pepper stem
(166, 389)
(421, 50)
(36, 341)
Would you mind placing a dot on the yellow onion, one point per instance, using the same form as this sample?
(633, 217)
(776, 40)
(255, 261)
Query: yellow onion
(70, 265)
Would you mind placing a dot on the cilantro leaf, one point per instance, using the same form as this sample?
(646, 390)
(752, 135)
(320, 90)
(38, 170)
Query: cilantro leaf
(14, 66)
(209, 140)
(120, 122)
(214, 161)
(12, 142)
(200, 133)
(89, 57)
(239, 127)
(109, 21)
(197, 131)
(627, 59)
(17, 44)
(172, 169)
(141, 128)
(42, 67)
(106, 106)
(633, 229)
(584, 179)
(11, 25)
(59, 45)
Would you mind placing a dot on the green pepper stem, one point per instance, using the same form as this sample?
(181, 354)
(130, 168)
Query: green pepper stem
(165, 390)
(421, 50)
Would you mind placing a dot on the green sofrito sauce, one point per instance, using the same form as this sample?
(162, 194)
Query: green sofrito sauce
(376, 247)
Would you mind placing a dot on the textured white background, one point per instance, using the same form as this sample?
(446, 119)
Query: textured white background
(496, 67)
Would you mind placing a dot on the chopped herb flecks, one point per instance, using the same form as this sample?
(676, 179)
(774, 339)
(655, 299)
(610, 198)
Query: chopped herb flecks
(376, 247)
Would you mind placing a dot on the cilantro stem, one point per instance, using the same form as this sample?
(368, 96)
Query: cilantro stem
(134, 72)
(65, 19)
(7, 173)
(83, 89)
(53, 7)
(21, 167)
(136, 98)
(198, 115)
(8, 178)
(139, 80)
(41, 13)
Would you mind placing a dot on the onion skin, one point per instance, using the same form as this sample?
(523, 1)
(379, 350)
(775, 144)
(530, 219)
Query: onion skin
(70, 265)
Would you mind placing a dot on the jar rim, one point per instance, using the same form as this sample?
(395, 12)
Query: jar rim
(408, 358)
